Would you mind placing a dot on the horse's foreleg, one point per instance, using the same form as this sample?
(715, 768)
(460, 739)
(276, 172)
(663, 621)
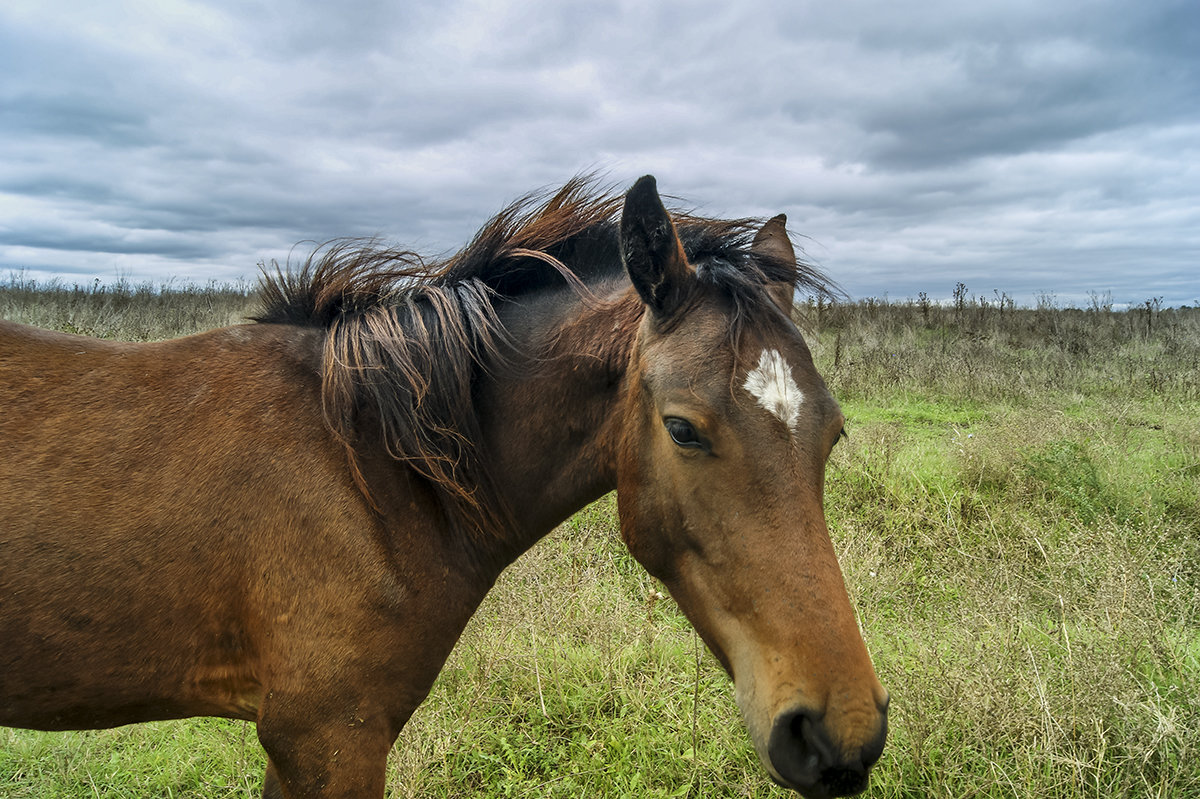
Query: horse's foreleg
(329, 760)
(271, 787)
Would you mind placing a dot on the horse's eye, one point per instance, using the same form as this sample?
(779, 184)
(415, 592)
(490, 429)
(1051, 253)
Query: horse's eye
(682, 433)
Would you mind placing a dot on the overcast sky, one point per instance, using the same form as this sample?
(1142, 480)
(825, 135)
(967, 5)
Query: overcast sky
(1034, 148)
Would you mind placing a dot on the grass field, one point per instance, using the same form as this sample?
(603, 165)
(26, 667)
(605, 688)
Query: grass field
(1017, 512)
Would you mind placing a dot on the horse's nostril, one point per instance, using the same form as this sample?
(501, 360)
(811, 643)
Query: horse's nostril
(798, 748)
(803, 755)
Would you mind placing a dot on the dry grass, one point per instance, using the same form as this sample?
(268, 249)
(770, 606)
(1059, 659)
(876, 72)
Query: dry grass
(1017, 512)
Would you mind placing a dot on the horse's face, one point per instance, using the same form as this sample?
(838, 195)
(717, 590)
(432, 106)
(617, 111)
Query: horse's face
(720, 491)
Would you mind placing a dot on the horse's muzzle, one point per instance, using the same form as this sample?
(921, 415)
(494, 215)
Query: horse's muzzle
(807, 761)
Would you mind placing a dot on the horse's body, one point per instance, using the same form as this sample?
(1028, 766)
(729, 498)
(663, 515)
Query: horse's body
(291, 522)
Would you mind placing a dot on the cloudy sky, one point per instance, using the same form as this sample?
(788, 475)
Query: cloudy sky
(1046, 147)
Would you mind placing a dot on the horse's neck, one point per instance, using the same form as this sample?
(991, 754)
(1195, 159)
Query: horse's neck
(552, 428)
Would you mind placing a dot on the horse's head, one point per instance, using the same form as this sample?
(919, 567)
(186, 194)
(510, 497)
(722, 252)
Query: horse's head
(720, 483)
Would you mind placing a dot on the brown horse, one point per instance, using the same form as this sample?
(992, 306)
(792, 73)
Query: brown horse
(291, 522)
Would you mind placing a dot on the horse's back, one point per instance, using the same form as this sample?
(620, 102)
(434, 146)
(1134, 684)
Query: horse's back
(101, 422)
(146, 488)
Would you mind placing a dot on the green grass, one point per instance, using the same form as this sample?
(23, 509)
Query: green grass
(1017, 513)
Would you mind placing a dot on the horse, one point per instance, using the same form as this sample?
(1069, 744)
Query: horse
(290, 521)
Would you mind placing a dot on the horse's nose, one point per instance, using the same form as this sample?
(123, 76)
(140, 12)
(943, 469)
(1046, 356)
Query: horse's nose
(804, 756)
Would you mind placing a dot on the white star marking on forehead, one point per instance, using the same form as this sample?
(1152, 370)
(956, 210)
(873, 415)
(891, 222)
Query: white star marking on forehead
(772, 385)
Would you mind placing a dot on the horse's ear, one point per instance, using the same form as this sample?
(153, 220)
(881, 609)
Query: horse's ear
(651, 250)
(772, 242)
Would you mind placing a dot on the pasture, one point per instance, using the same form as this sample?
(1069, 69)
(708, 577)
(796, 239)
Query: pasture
(1017, 515)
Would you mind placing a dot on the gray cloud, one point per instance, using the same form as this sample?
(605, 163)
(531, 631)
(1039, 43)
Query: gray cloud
(1019, 147)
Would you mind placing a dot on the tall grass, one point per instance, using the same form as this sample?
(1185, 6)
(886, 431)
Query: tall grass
(125, 310)
(1017, 512)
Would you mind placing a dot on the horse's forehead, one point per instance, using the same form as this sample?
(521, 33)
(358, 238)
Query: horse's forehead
(695, 347)
(773, 366)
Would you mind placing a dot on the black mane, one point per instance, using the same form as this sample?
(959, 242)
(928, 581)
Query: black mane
(567, 238)
(408, 337)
